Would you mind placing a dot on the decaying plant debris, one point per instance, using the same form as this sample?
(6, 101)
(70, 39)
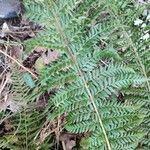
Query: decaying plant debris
(75, 75)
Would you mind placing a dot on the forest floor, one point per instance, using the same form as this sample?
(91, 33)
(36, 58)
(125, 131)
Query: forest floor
(13, 34)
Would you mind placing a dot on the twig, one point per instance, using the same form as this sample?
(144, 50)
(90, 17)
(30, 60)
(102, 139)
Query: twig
(63, 145)
(17, 62)
(4, 84)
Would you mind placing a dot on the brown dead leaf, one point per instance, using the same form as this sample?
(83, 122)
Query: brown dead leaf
(24, 21)
(46, 131)
(19, 31)
(70, 144)
(8, 125)
(68, 140)
(52, 55)
(16, 51)
(40, 49)
(53, 127)
(5, 127)
(31, 59)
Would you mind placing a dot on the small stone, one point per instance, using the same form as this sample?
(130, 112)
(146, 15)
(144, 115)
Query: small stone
(9, 9)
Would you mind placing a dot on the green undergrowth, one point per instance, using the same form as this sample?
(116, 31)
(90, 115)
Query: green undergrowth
(99, 84)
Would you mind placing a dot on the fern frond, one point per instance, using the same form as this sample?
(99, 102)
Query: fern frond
(84, 89)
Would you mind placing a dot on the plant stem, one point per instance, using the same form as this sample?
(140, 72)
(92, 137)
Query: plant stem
(17, 62)
(73, 57)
